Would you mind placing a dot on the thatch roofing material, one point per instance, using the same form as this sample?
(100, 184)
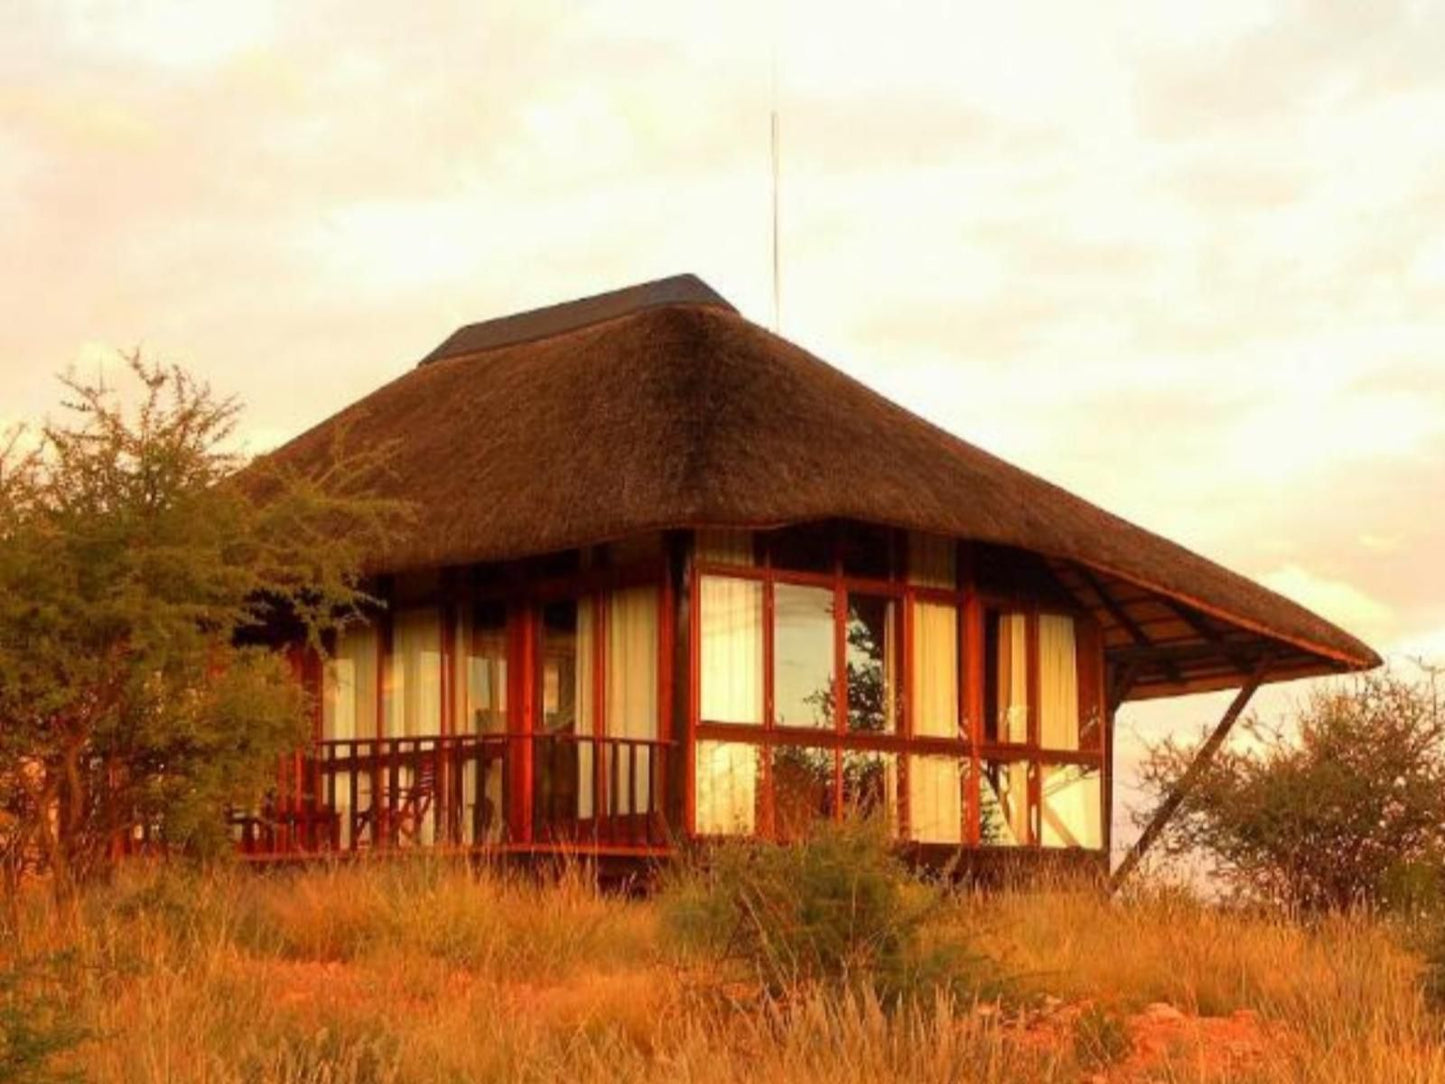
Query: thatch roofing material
(575, 426)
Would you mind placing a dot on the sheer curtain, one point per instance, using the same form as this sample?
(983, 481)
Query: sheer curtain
(413, 701)
(348, 711)
(632, 649)
(1058, 683)
(1013, 678)
(731, 650)
(935, 799)
(727, 788)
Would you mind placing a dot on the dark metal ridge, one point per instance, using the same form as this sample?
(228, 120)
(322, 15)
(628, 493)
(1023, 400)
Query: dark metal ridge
(571, 315)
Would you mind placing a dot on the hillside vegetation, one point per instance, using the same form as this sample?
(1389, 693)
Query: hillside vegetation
(819, 963)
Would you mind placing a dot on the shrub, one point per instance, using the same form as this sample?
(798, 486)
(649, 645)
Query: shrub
(36, 1024)
(838, 906)
(1101, 1037)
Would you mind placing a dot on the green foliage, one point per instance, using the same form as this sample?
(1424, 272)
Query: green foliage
(37, 1028)
(135, 568)
(835, 907)
(1346, 809)
(1101, 1037)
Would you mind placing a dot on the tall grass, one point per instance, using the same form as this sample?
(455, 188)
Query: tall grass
(428, 971)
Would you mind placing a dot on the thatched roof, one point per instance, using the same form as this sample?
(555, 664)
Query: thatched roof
(660, 407)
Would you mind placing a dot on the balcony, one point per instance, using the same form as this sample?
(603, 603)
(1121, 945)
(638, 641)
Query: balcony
(492, 792)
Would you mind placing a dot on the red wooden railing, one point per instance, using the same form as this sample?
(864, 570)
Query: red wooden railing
(478, 790)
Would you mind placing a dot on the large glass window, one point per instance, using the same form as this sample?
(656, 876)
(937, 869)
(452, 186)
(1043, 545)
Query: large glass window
(902, 747)
(731, 651)
(872, 645)
(631, 708)
(412, 704)
(562, 784)
(803, 656)
(481, 669)
(348, 703)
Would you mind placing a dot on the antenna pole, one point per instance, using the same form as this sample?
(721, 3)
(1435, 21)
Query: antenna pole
(777, 277)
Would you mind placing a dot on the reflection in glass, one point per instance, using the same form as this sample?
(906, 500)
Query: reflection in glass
(731, 650)
(726, 791)
(562, 768)
(1072, 811)
(802, 789)
(870, 785)
(481, 708)
(872, 664)
(935, 799)
(1058, 683)
(803, 656)
(1004, 804)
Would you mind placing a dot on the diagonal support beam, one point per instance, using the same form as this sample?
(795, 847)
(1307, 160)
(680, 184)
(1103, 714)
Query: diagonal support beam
(1190, 779)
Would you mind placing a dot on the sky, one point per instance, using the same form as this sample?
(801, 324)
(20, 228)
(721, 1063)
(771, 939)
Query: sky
(1186, 260)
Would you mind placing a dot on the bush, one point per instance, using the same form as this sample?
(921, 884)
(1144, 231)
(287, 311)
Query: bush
(838, 906)
(1347, 808)
(1101, 1037)
(36, 1025)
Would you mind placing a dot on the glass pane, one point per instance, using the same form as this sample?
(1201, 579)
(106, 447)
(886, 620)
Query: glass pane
(412, 704)
(803, 656)
(935, 670)
(562, 778)
(807, 547)
(935, 799)
(802, 789)
(1072, 814)
(1004, 805)
(727, 788)
(932, 561)
(1006, 678)
(867, 551)
(348, 705)
(731, 652)
(1058, 683)
(872, 664)
(632, 647)
(482, 670)
(725, 547)
(870, 785)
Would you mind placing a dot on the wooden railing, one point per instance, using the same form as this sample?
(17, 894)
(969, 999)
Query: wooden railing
(476, 790)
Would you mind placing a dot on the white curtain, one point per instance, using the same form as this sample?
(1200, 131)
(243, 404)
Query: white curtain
(726, 791)
(413, 702)
(1072, 811)
(632, 661)
(348, 711)
(935, 799)
(480, 680)
(1058, 683)
(1013, 678)
(1003, 805)
(731, 650)
(932, 561)
(935, 670)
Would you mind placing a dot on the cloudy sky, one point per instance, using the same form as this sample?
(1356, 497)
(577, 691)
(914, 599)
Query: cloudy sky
(1188, 261)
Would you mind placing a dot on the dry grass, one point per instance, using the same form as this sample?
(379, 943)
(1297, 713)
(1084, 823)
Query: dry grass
(426, 972)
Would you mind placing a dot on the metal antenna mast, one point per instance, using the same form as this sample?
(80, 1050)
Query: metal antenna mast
(777, 277)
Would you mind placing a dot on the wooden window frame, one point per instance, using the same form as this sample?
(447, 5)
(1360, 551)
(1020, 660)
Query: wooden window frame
(970, 749)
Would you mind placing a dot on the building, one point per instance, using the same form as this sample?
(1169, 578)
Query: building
(676, 578)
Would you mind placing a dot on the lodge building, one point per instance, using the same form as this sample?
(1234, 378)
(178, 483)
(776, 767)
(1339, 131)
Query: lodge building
(674, 578)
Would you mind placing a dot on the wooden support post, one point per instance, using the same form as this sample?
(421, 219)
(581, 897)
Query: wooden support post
(1191, 776)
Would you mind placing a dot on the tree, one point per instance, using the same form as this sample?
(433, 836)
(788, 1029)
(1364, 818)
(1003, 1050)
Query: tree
(1329, 814)
(142, 575)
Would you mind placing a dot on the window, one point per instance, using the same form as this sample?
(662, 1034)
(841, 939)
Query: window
(481, 669)
(348, 703)
(871, 648)
(412, 700)
(781, 646)
(803, 656)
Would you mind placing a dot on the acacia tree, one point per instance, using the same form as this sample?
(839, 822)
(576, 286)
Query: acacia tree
(1337, 811)
(140, 579)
